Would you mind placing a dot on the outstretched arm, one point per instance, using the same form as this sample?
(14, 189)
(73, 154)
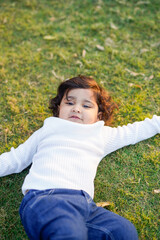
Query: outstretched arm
(115, 138)
(18, 159)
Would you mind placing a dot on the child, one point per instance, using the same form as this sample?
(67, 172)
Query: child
(64, 153)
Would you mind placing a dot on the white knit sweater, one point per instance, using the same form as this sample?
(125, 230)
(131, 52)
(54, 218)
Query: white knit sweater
(65, 154)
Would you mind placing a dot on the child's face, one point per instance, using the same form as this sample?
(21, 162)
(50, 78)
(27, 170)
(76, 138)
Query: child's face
(79, 106)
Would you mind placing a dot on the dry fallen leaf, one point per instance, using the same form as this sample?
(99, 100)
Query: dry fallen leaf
(143, 50)
(99, 47)
(109, 42)
(134, 73)
(49, 37)
(142, 2)
(83, 53)
(5, 20)
(51, 56)
(113, 26)
(156, 191)
(53, 72)
(130, 18)
(6, 132)
(75, 55)
(79, 63)
(135, 85)
(157, 44)
(121, 2)
(151, 77)
(56, 76)
(98, 8)
(52, 19)
(103, 204)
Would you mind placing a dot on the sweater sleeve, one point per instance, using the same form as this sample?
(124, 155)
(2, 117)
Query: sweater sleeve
(18, 159)
(116, 138)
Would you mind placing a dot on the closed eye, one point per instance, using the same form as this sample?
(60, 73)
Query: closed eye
(86, 106)
(69, 103)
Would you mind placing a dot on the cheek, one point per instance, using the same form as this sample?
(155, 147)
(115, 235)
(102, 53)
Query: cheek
(60, 111)
(92, 116)
(63, 111)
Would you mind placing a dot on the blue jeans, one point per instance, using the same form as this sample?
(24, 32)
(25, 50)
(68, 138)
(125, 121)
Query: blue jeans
(71, 215)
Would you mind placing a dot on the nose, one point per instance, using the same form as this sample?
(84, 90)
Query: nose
(76, 109)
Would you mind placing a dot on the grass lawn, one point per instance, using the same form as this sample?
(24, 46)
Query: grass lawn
(43, 42)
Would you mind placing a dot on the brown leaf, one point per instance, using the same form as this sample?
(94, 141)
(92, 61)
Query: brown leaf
(6, 130)
(135, 85)
(103, 204)
(52, 19)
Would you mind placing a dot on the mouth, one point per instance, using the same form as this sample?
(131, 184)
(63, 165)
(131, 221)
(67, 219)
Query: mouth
(75, 117)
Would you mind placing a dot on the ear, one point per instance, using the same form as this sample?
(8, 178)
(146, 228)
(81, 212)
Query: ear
(99, 117)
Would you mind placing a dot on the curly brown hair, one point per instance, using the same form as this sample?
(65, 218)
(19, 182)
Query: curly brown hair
(104, 101)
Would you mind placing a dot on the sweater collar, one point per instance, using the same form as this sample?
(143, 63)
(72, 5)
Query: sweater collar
(73, 124)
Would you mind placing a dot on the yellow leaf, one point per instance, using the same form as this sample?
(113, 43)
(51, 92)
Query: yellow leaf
(12, 102)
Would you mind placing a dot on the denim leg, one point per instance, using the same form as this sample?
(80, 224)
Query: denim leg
(72, 215)
(54, 214)
(106, 225)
